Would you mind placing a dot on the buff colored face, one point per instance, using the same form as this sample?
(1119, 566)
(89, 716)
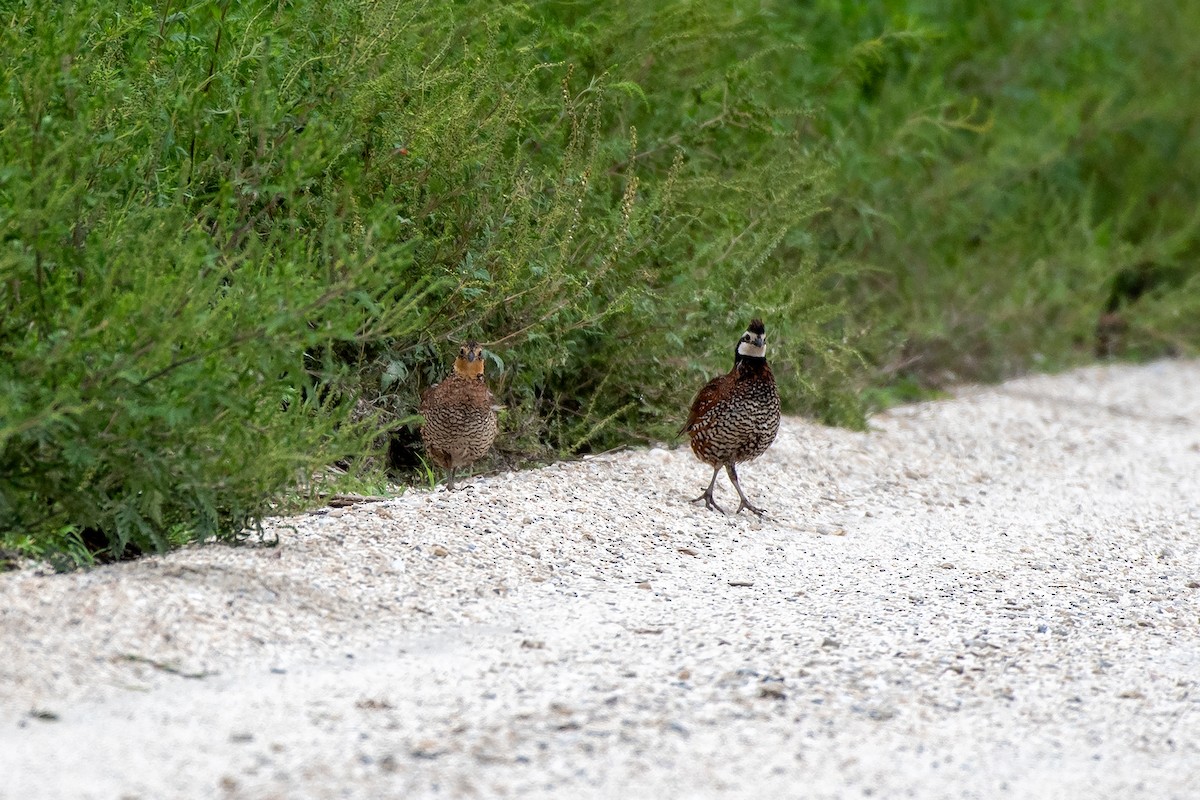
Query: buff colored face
(470, 360)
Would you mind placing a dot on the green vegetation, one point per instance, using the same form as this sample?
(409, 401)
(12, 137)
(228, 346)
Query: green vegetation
(237, 239)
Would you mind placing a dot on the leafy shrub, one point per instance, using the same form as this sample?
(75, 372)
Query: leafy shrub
(1000, 167)
(178, 273)
(238, 239)
(229, 227)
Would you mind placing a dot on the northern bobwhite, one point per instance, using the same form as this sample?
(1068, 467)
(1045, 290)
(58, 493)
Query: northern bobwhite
(736, 416)
(460, 424)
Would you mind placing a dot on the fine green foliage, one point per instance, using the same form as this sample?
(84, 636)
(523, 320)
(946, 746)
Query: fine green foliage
(179, 274)
(238, 239)
(1001, 168)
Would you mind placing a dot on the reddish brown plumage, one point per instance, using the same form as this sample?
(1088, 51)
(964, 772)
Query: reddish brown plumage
(460, 424)
(735, 417)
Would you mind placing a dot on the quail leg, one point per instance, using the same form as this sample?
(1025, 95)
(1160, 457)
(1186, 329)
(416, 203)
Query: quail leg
(707, 497)
(746, 504)
(450, 480)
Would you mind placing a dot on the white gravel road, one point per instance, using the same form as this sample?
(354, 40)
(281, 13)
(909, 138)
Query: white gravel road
(996, 595)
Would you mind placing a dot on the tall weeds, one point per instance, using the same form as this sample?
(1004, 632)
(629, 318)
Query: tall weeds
(238, 239)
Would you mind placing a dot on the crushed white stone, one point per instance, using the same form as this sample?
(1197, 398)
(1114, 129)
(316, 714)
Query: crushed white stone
(996, 595)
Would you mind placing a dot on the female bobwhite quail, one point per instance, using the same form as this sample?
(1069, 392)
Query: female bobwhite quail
(460, 424)
(736, 416)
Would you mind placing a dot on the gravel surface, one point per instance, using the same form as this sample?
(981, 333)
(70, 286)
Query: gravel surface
(996, 595)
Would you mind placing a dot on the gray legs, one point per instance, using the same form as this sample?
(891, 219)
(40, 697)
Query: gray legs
(746, 504)
(707, 496)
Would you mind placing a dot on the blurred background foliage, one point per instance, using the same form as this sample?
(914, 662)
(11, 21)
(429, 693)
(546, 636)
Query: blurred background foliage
(238, 239)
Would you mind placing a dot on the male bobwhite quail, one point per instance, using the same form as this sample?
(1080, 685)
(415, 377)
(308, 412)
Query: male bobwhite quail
(460, 424)
(736, 416)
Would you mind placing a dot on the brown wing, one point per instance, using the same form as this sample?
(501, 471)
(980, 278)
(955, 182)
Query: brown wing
(708, 397)
(427, 398)
(459, 423)
(455, 391)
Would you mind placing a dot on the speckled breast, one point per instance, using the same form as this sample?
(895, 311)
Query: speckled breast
(739, 427)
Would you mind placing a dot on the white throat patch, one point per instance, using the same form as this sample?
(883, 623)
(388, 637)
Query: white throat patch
(752, 348)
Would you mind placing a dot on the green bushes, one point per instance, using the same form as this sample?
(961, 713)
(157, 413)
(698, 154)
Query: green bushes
(180, 276)
(1001, 166)
(236, 239)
